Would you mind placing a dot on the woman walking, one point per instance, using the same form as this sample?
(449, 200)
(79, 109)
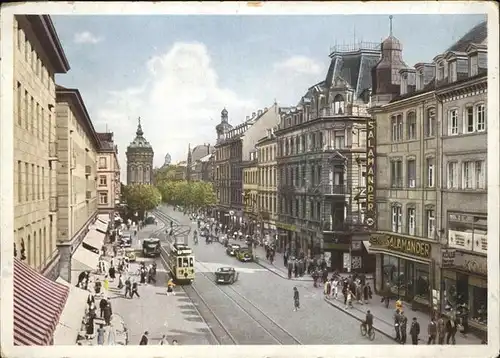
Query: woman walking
(296, 299)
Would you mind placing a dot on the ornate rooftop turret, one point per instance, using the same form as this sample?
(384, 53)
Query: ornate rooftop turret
(224, 125)
(139, 140)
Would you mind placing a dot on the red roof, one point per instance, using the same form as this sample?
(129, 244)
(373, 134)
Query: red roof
(38, 304)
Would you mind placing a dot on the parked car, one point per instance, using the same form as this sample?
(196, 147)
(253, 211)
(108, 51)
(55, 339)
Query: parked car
(125, 240)
(244, 255)
(130, 254)
(232, 248)
(226, 275)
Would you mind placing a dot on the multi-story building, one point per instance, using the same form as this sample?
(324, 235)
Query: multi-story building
(77, 147)
(179, 170)
(233, 147)
(251, 209)
(267, 184)
(108, 175)
(195, 167)
(428, 141)
(139, 159)
(38, 56)
(321, 162)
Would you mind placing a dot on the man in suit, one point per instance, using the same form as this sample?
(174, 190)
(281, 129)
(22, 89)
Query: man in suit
(414, 331)
(144, 339)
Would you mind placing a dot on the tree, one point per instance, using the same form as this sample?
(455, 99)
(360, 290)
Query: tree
(192, 194)
(141, 198)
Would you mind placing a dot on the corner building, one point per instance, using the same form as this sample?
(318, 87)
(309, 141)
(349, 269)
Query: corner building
(321, 163)
(38, 56)
(429, 124)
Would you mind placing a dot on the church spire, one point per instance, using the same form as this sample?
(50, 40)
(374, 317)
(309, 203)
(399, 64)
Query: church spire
(139, 131)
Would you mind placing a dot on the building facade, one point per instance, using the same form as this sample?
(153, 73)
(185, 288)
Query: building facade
(196, 162)
(108, 175)
(38, 56)
(267, 185)
(251, 209)
(429, 143)
(322, 163)
(139, 159)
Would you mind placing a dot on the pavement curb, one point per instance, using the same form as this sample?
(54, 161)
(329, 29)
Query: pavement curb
(283, 276)
(357, 318)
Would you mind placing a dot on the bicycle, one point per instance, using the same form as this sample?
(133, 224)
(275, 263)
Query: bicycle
(370, 332)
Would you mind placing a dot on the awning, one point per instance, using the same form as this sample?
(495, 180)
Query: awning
(101, 226)
(70, 321)
(38, 303)
(84, 260)
(103, 218)
(94, 238)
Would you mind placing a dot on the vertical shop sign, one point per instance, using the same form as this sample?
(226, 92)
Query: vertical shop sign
(371, 141)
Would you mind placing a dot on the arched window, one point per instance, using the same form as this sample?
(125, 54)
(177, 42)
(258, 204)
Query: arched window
(338, 104)
(411, 123)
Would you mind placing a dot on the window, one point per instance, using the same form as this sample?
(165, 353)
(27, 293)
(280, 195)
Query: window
(473, 67)
(479, 174)
(26, 181)
(479, 307)
(397, 128)
(397, 174)
(440, 71)
(469, 119)
(430, 173)
(453, 122)
(411, 119)
(452, 71)
(412, 173)
(430, 122)
(422, 282)
(338, 104)
(480, 117)
(43, 183)
(452, 176)
(102, 163)
(32, 114)
(410, 218)
(33, 182)
(19, 95)
(19, 181)
(431, 224)
(397, 215)
(103, 198)
(38, 182)
(420, 80)
(37, 120)
(26, 108)
(339, 139)
(103, 181)
(42, 124)
(467, 175)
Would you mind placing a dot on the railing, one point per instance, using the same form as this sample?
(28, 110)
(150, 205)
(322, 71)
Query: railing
(362, 45)
(335, 189)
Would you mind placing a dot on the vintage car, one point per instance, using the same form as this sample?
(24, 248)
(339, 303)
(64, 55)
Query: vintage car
(125, 240)
(226, 275)
(244, 254)
(130, 254)
(232, 248)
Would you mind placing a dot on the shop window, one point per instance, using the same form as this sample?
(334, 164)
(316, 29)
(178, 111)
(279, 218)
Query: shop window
(450, 294)
(422, 281)
(479, 305)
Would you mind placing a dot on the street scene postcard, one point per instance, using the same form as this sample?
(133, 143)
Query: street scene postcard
(270, 179)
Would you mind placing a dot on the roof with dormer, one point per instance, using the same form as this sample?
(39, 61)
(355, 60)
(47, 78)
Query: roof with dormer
(477, 35)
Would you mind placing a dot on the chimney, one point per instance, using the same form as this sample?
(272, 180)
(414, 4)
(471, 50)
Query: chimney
(248, 117)
(259, 112)
(265, 109)
(253, 114)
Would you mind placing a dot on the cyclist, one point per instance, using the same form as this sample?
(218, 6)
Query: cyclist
(368, 322)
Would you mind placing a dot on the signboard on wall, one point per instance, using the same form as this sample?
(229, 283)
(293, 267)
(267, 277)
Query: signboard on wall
(346, 260)
(371, 208)
(402, 244)
(471, 263)
(480, 243)
(357, 262)
(356, 245)
(328, 258)
(448, 257)
(460, 240)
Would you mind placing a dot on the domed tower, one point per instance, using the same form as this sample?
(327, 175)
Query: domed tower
(386, 79)
(223, 126)
(139, 159)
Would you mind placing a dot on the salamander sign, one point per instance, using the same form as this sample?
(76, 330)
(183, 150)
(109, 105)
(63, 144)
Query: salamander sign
(371, 208)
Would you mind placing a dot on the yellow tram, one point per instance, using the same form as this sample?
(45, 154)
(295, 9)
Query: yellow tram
(180, 260)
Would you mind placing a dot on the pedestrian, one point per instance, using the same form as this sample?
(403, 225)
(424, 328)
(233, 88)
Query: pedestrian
(451, 329)
(285, 258)
(344, 292)
(441, 329)
(106, 284)
(112, 271)
(102, 306)
(296, 299)
(366, 289)
(107, 314)
(327, 289)
(81, 278)
(97, 286)
(397, 318)
(290, 269)
(111, 335)
(349, 298)
(164, 341)
(174, 342)
(134, 290)
(128, 288)
(414, 331)
(335, 286)
(170, 287)
(120, 282)
(403, 321)
(100, 335)
(144, 339)
(432, 331)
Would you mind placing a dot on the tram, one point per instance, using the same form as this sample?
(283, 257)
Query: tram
(180, 260)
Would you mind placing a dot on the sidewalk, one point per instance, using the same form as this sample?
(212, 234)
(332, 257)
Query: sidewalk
(383, 317)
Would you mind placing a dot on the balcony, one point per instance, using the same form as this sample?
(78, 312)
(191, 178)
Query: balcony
(336, 189)
(329, 112)
(53, 204)
(88, 170)
(53, 151)
(88, 195)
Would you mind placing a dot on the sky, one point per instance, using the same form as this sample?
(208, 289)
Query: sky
(178, 72)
